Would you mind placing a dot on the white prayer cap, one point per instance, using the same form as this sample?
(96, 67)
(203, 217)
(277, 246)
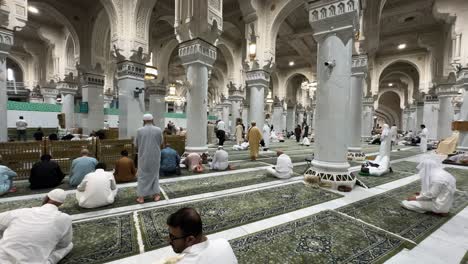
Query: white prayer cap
(147, 117)
(57, 195)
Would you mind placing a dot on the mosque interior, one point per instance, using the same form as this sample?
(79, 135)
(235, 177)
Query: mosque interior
(344, 68)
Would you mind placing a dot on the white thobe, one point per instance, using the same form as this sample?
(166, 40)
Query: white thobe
(283, 168)
(438, 199)
(210, 251)
(266, 135)
(393, 133)
(384, 165)
(306, 141)
(220, 160)
(423, 136)
(35, 235)
(97, 189)
(221, 126)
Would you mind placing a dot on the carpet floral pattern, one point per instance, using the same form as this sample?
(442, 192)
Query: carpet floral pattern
(235, 210)
(373, 181)
(321, 238)
(102, 240)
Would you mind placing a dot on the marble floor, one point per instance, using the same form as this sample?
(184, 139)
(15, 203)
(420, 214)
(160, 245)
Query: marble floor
(291, 221)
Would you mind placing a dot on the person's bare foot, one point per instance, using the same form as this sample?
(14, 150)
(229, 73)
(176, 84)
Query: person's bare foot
(157, 197)
(140, 200)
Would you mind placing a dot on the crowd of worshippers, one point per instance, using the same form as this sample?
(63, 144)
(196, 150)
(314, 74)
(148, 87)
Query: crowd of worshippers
(408, 138)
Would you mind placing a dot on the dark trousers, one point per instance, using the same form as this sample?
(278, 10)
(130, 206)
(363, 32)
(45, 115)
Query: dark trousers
(221, 136)
(21, 135)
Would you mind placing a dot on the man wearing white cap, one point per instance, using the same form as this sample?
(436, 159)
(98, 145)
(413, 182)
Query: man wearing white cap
(148, 142)
(36, 235)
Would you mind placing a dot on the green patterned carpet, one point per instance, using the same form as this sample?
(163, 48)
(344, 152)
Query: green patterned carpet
(125, 196)
(385, 211)
(102, 240)
(461, 176)
(231, 211)
(326, 237)
(23, 189)
(405, 166)
(216, 183)
(373, 181)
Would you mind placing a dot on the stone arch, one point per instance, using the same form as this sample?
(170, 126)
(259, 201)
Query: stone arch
(112, 15)
(22, 67)
(68, 25)
(410, 92)
(384, 116)
(100, 37)
(164, 57)
(229, 57)
(70, 53)
(409, 61)
(394, 113)
(143, 11)
(397, 91)
(287, 84)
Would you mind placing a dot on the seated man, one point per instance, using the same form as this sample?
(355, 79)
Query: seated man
(283, 168)
(97, 189)
(378, 167)
(186, 237)
(193, 162)
(457, 159)
(45, 174)
(274, 137)
(6, 179)
(437, 190)
(36, 235)
(170, 160)
(124, 169)
(80, 167)
(305, 142)
(220, 160)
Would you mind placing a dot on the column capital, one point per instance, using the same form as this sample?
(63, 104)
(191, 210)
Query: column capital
(69, 85)
(91, 75)
(431, 98)
(359, 65)
(277, 102)
(130, 69)
(6, 42)
(462, 78)
(447, 90)
(368, 101)
(258, 77)
(155, 87)
(337, 16)
(197, 51)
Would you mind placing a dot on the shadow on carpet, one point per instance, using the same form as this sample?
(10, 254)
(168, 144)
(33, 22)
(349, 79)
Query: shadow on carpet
(326, 237)
(230, 211)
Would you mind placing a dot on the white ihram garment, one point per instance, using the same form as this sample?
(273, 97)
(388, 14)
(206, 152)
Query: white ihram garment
(283, 168)
(97, 189)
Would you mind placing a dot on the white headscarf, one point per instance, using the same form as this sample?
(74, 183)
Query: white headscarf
(432, 171)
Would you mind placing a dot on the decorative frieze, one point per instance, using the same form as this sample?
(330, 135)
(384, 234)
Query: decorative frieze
(431, 98)
(197, 51)
(131, 69)
(359, 65)
(447, 90)
(6, 42)
(462, 78)
(368, 101)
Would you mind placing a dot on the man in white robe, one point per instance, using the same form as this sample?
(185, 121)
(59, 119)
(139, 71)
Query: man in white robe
(243, 146)
(187, 239)
(97, 188)
(378, 167)
(148, 141)
(283, 168)
(220, 160)
(385, 145)
(393, 135)
(266, 135)
(36, 235)
(305, 141)
(423, 135)
(437, 190)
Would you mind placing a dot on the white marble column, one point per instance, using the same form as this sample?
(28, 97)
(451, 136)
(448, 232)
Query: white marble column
(197, 57)
(404, 119)
(419, 115)
(367, 117)
(334, 33)
(68, 90)
(431, 115)
(258, 81)
(277, 117)
(300, 115)
(226, 110)
(291, 116)
(235, 98)
(6, 42)
(284, 115)
(359, 70)
(445, 93)
(92, 92)
(245, 113)
(412, 118)
(131, 76)
(179, 107)
(462, 81)
(108, 100)
(314, 108)
(157, 103)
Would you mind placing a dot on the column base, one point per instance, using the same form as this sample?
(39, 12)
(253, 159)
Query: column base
(331, 179)
(356, 156)
(200, 150)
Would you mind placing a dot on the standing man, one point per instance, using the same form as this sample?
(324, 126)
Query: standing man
(423, 136)
(239, 133)
(254, 136)
(266, 135)
(221, 132)
(393, 135)
(297, 133)
(148, 142)
(21, 126)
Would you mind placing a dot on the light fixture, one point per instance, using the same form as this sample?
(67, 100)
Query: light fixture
(291, 63)
(172, 89)
(402, 46)
(252, 44)
(151, 72)
(33, 9)
(390, 84)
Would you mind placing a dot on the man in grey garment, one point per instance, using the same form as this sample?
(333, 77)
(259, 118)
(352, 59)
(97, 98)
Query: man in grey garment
(148, 142)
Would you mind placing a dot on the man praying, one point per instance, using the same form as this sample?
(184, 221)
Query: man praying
(45, 174)
(437, 190)
(170, 160)
(36, 235)
(220, 160)
(81, 166)
(97, 189)
(283, 168)
(124, 169)
(193, 162)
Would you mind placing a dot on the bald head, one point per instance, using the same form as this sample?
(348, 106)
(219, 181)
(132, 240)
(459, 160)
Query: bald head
(84, 152)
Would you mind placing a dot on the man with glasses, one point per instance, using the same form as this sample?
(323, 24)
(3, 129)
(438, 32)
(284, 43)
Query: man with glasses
(186, 237)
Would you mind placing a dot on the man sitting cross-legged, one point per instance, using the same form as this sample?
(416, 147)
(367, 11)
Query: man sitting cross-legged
(45, 174)
(437, 190)
(124, 169)
(186, 237)
(283, 168)
(36, 235)
(80, 167)
(193, 162)
(97, 188)
(170, 160)
(220, 160)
